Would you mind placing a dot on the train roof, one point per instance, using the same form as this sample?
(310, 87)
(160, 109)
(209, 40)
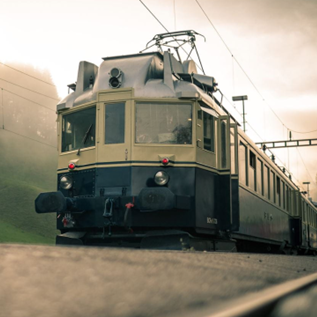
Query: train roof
(151, 75)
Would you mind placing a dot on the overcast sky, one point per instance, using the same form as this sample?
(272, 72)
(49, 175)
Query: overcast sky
(275, 42)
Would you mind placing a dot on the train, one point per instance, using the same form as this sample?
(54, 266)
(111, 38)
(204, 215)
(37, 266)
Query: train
(149, 157)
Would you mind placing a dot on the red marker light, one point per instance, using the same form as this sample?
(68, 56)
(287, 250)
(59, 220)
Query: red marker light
(71, 166)
(165, 161)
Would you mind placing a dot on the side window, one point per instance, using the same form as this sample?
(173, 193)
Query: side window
(287, 193)
(304, 212)
(272, 188)
(266, 184)
(309, 215)
(114, 123)
(296, 207)
(209, 132)
(223, 127)
(233, 151)
(260, 177)
(283, 195)
(252, 170)
(163, 123)
(243, 163)
(79, 129)
(278, 190)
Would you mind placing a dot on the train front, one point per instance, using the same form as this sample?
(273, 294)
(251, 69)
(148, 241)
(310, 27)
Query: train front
(126, 165)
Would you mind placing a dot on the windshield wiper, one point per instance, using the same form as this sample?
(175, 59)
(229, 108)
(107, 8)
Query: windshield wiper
(85, 138)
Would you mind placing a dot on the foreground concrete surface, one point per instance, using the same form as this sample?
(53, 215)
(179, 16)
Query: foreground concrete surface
(69, 281)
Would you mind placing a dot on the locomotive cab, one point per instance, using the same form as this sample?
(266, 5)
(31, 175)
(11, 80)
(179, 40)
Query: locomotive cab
(144, 148)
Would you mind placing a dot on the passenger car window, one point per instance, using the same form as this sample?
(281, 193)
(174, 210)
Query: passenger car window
(223, 142)
(266, 182)
(252, 170)
(272, 188)
(259, 176)
(278, 190)
(242, 163)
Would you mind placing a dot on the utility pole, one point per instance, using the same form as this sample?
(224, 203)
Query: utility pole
(241, 98)
(307, 183)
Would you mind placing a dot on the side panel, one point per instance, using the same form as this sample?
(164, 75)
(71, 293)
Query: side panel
(305, 235)
(295, 225)
(313, 237)
(213, 200)
(223, 202)
(261, 219)
(206, 200)
(235, 205)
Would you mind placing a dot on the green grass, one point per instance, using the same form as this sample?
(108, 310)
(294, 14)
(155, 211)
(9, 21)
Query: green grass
(19, 223)
(11, 234)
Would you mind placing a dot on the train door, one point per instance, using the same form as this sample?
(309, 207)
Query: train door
(223, 189)
(114, 141)
(206, 170)
(296, 219)
(304, 224)
(235, 216)
(234, 149)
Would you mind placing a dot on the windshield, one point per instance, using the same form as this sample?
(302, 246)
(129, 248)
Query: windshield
(79, 130)
(163, 123)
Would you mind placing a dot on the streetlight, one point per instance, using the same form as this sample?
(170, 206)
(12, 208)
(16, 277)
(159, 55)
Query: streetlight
(241, 98)
(307, 183)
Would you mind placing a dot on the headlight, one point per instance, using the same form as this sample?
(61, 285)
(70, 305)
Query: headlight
(161, 178)
(66, 182)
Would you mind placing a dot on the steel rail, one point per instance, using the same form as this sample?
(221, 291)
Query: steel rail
(263, 302)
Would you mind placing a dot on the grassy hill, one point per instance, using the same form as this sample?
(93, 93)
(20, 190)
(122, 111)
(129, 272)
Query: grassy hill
(28, 155)
(19, 223)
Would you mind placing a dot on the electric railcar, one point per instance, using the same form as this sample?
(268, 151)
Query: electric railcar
(149, 157)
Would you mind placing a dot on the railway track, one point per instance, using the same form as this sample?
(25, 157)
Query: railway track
(290, 299)
(80, 281)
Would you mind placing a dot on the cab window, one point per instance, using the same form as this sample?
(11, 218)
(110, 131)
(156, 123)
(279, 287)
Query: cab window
(163, 123)
(114, 123)
(78, 129)
(209, 132)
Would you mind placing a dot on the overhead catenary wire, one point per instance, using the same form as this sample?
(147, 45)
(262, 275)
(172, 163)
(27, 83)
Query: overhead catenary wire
(245, 73)
(168, 32)
(255, 87)
(305, 166)
(303, 132)
(20, 71)
(13, 93)
(227, 47)
(237, 63)
(36, 92)
(155, 17)
(271, 152)
(26, 137)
